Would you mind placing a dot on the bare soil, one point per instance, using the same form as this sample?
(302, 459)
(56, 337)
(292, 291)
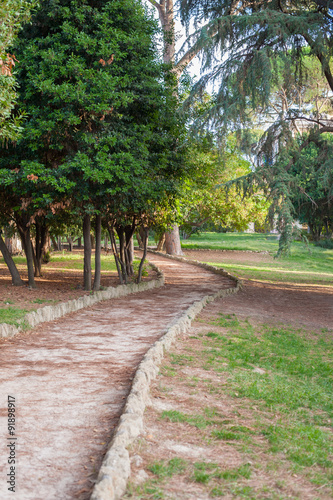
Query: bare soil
(309, 305)
(57, 284)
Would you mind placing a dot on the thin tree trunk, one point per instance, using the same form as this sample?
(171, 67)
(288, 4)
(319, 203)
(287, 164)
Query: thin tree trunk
(98, 237)
(161, 243)
(70, 243)
(87, 253)
(115, 253)
(122, 249)
(16, 279)
(129, 232)
(138, 237)
(59, 243)
(145, 242)
(40, 240)
(27, 246)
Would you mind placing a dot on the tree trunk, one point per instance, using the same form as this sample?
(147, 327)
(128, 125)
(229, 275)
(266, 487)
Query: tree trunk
(122, 250)
(115, 252)
(79, 242)
(28, 250)
(70, 243)
(16, 279)
(172, 242)
(59, 243)
(98, 236)
(161, 243)
(87, 253)
(106, 243)
(145, 242)
(138, 237)
(40, 241)
(129, 232)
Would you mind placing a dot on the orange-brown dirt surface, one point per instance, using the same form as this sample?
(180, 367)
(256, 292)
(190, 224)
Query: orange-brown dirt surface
(57, 284)
(70, 379)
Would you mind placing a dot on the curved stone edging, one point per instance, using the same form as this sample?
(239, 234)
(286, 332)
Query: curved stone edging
(115, 470)
(50, 313)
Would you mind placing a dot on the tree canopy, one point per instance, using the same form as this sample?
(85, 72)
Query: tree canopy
(101, 134)
(13, 13)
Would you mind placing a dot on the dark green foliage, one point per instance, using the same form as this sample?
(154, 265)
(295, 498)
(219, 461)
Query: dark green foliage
(101, 134)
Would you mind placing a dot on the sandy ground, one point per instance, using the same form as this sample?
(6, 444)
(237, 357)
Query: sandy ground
(70, 379)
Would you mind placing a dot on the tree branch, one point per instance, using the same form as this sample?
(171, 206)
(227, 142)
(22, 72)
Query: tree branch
(321, 58)
(192, 52)
(161, 13)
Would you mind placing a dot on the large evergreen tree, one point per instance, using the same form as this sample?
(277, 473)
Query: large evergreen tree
(261, 56)
(101, 131)
(13, 13)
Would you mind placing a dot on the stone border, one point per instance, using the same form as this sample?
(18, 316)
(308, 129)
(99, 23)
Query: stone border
(116, 467)
(50, 313)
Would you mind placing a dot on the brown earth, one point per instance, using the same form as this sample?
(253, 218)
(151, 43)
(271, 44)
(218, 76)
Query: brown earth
(56, 285)
(304, 304)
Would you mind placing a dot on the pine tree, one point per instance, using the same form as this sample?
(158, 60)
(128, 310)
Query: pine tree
(261, 56)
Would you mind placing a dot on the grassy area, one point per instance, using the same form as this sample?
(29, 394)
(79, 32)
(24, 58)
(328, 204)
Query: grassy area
(275, 385)
(11, 315)
(254, 242)
(304, 265)
(75, 261)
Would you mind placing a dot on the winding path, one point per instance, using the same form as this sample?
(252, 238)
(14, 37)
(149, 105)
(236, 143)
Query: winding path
(70, 379)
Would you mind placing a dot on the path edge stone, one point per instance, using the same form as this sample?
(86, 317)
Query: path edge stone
(116, 466)
(50, 313)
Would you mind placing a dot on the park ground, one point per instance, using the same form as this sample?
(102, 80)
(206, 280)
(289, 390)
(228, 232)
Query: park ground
(242, 407)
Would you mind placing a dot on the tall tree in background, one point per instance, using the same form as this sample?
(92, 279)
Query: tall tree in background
(166, 15)
(256, 46)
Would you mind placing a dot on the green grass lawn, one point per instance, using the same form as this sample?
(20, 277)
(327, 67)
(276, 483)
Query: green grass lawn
(75, 261)
(304, 265)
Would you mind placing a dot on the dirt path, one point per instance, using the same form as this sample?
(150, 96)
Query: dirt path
(70, 379)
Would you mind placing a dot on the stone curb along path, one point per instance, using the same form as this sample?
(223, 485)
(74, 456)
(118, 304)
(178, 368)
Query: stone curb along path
(50, 313)
(115, 470)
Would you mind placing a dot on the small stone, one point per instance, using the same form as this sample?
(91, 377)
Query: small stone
(140, 477)
(137, 460)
